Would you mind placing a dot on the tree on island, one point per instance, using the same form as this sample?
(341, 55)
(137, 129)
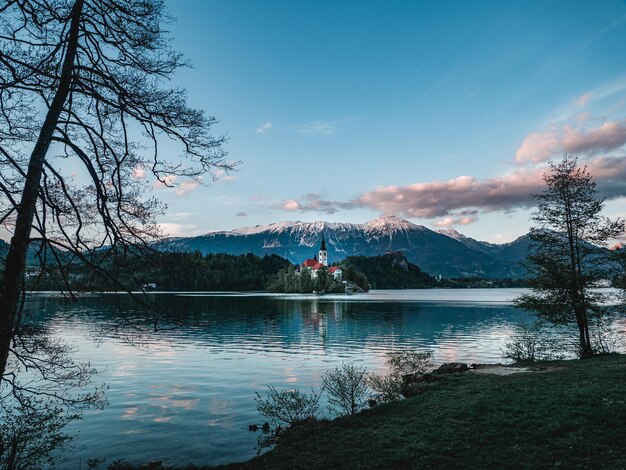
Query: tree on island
(569, 256)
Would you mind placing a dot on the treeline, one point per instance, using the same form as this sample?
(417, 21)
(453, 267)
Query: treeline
(179, 271)
(390, 271)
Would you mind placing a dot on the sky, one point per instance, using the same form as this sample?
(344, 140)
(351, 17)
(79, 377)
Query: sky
(444, 113)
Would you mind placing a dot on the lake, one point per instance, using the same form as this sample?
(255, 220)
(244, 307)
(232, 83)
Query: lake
(185, 392)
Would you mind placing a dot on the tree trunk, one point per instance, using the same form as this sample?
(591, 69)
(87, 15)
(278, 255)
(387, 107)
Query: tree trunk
(584, 346)
(16, 257)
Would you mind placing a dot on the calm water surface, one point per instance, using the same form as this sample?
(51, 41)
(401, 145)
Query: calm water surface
(185, 394)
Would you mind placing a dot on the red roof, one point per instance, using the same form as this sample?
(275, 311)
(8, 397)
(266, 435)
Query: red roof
(317, 266)
(309, 263)
(333, 269)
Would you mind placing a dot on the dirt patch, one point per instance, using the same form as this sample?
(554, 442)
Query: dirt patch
(498, 369)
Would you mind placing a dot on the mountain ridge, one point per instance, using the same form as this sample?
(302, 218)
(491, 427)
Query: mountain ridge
(435, 253)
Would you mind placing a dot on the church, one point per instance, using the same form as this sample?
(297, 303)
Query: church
(322, 260)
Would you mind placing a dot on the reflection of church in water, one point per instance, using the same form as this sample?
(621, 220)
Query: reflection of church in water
(321, 315)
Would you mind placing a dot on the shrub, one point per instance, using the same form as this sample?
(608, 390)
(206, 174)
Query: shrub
(409, 361)
(347, 388)
(390, 387)
(532, 342)
(288, 406)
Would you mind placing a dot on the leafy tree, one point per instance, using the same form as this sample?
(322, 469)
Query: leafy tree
(569, 255)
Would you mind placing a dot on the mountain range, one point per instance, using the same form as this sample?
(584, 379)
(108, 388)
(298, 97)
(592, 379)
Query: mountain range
(446, 252)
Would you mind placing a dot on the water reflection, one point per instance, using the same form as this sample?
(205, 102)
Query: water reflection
(184, 392)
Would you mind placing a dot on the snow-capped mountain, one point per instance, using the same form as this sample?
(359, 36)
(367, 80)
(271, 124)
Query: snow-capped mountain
(436, 253)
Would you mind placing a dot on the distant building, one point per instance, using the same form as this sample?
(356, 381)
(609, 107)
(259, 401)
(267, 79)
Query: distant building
(336, 272)
(321, 260)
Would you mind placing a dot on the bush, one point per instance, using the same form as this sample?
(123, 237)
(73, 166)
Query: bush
(532, 342)
(288, 406)
(391, 386)
(409, 361)
(346, 387)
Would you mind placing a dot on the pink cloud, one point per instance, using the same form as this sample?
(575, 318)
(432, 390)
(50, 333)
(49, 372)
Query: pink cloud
(180, 189)
(452, 221)
(458, 200)
(540, 146)
(166, 182)
(312, 202)
(610, 135)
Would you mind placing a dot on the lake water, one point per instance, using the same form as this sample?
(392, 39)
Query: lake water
(185, 393)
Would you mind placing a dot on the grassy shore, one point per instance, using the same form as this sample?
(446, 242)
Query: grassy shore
(567, 414)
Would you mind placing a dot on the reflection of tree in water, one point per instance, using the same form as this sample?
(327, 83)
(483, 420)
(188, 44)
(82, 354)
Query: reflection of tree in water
(42, 389)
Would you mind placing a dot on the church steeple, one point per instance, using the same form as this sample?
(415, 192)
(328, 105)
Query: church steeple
(323, 254)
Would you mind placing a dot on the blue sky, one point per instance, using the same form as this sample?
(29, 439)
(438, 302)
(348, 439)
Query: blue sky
(444, 113)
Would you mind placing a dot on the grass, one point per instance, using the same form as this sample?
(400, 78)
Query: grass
(571, 414)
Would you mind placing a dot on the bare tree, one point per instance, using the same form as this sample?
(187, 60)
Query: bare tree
(84, 113)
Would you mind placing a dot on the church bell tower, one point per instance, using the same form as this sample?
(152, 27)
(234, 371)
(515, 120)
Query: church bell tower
(323, 254)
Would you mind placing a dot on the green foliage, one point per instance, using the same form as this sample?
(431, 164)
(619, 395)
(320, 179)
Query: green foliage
(390, 271)
(288, 406)
(346, 387)
(568, 258)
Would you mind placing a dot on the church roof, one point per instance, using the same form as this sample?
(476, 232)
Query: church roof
(309, 263)
(323, 247)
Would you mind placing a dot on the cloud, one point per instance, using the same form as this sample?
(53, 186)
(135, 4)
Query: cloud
(459, 200)
(139, 172)
(241, 214)
(540, 146)
(583, 100)
(506, 192)
(322, 128)
(181, 215)
(180, 189)
(264, 128)
(318, 128)
(451, 221)
(312, 202)
(186, 187)
(171, 229)
(166, 182)
(220, 175)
